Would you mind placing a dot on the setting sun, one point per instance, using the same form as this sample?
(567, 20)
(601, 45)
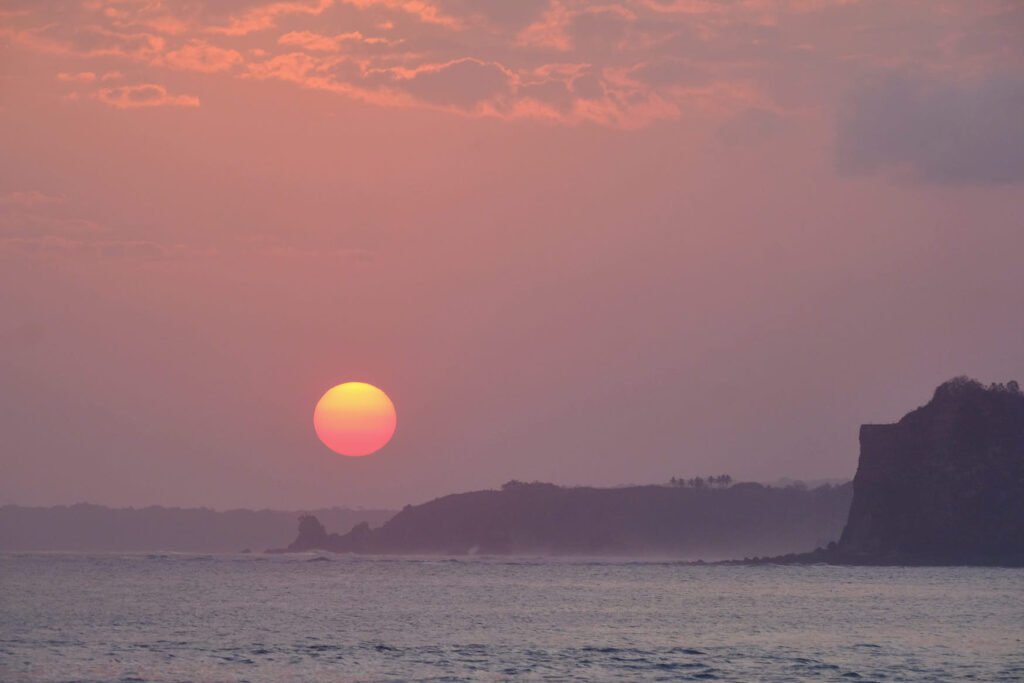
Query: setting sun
(354, 419)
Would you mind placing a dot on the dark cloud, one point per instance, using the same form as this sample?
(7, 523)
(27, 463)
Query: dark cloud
(463, 83)
(507, 14)
(554, 93)
(598, 31)
(671, 71)
(963, 132)
(588, 85)
(144, 95)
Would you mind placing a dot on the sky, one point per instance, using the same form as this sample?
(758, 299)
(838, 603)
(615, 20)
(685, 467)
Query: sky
(587, 243)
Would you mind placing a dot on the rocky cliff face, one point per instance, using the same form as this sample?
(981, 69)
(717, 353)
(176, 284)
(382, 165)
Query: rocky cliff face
(945, 484)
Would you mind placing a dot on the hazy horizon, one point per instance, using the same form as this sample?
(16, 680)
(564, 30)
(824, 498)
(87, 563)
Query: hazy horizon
(576, 243)
(781, 482)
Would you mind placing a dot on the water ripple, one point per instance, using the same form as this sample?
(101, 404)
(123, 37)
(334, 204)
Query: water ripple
(171, 618)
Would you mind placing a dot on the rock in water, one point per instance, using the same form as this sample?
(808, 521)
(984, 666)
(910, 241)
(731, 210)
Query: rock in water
(945, 484)
(312, 534)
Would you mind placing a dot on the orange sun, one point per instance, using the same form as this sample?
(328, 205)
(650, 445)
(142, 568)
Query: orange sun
(354, 419)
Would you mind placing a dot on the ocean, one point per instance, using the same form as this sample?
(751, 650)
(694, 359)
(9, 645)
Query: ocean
(135, 618)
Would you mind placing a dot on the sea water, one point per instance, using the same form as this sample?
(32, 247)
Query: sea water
(343, 618)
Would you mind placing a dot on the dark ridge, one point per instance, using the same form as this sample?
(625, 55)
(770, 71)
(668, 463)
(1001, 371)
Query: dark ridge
(683, 520)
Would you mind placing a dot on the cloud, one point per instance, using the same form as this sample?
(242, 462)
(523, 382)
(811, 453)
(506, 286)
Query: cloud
(294, 66)
(463, 82)
(99, 41)
(553, 93)
(80, 77)
(144, 95)
(50, 245)
(274, 246)
(670, 71)
(32, 214)
(90, 41)
(35, 225)
(636, 61)
(511, 15)
(198, 55)
(968, 132)
(38, 224)
(548, 32)
(600, 29)
(164, 23)
(27, 198)
(317, 42)
(583, 29)
(424, 11)
(266, 17)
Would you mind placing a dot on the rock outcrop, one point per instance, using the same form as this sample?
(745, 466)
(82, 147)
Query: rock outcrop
(945, 484)
(312, 535)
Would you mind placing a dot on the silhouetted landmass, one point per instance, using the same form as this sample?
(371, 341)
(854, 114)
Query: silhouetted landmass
(94, 528)
(943, 486)
(695, 522)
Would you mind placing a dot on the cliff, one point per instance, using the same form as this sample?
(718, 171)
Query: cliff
(705, 523)
(945, 484)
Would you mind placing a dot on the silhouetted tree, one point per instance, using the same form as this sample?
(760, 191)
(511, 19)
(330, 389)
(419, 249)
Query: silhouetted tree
(1010, 387)
(957, 386)
(719, 481)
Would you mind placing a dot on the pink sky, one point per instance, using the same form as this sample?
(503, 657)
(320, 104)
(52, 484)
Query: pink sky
(577, 242)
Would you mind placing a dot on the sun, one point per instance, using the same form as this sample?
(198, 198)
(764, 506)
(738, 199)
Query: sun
(354, 419)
